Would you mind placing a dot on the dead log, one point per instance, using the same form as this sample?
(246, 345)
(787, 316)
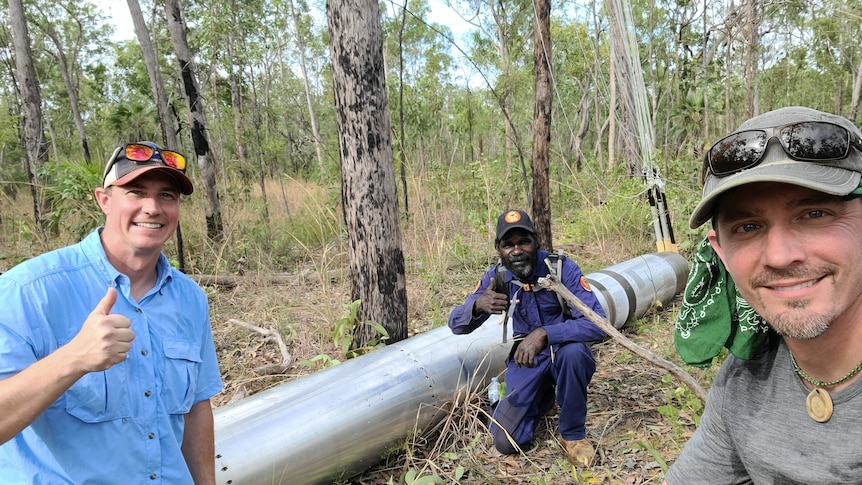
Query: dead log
(553, 283)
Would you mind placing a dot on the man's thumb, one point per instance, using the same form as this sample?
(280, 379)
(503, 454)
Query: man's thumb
(107, 302)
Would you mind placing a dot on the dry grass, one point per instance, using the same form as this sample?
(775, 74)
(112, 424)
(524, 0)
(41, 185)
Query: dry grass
(446, 251)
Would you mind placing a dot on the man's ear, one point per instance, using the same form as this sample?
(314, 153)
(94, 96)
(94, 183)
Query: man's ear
(712, 236)
(103, 198)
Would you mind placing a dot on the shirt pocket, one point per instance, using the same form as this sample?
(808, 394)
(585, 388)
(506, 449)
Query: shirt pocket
(100, 396)
(179, 377)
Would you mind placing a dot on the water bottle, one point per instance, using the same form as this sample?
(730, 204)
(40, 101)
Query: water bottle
(494, 391)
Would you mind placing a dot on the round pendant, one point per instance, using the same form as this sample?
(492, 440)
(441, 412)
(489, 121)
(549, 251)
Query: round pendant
(819, 405)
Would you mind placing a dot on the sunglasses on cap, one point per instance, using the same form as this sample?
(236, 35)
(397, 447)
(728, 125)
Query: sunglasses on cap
(138, 152)
(806, 141)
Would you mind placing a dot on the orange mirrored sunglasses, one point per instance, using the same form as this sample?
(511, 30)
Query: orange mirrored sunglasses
(137, 152)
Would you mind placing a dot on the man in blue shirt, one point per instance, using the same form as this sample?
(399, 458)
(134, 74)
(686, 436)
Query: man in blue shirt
(107, 362)
(551, 343)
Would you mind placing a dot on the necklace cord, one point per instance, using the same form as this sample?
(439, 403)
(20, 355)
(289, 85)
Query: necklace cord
(817, 383)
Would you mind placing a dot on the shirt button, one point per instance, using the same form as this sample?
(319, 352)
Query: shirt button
(153, 476)
(147, 393)
(137, 310)
(144, 352)
(151, 435)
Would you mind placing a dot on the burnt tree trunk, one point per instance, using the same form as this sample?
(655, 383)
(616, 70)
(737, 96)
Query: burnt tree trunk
(369, 195)
(206, 159)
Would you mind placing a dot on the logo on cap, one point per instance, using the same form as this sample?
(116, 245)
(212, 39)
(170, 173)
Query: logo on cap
(513, 217)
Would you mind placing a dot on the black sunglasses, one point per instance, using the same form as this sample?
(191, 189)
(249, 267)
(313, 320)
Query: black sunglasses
(806, 141)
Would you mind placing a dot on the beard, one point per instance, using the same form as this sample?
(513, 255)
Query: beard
(521, 266)
(796, 319)
(798, 323)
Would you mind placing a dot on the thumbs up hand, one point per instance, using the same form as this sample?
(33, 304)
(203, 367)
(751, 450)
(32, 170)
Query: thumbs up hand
(104, 339)
(490, 302)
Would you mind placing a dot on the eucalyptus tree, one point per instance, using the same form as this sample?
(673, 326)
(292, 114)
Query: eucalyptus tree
(540, 199)
(751, 36)
(369, 198)
(302, 31)
(836, 53)
(129, 112)
(576, 87)
(33, 134)
(166, 118)
(226, 36)
(418, 63)
(498, 48)
(11, 148)
(72, 30)
(197, 114)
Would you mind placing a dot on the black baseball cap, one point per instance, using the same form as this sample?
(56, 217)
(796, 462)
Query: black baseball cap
(513, 219)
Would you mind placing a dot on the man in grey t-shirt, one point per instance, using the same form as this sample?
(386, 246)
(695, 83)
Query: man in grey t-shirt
(782, 194)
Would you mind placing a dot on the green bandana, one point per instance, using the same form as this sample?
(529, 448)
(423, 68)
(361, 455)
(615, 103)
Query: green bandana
(714, 315)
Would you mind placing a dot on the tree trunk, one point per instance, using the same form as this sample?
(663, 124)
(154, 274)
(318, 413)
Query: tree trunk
(505, 97)
(704, 78)
(612, 109)
(236, 72)
(583, 125)
(206, 161)
(369, 195)
(35, 144)
(541, 196)
(751, 38)
(166, 119)
(854, 100)
(300, 46)
(66, 71)
(401, 132)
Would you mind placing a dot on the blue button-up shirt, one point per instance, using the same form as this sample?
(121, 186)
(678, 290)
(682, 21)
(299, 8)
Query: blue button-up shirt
(124, 424)
(537, 307)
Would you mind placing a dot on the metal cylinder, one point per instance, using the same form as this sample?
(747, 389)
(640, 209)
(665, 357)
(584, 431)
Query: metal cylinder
(337, 422)
(628, 289)
(340, 420)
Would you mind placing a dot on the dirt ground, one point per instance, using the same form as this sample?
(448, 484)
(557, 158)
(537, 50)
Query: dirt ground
(634, 440)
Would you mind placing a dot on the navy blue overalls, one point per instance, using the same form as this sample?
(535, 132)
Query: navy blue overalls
(566, 362)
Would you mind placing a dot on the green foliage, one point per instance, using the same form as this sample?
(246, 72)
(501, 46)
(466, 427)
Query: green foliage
(414, 477)
(683, 408)
(582, 474)
(69, 196)
(137, 119)
(655, 454)
(609, 212)
(319, 362)
(346, 328)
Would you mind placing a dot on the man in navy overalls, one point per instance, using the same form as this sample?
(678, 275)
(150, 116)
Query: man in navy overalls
(551, 346)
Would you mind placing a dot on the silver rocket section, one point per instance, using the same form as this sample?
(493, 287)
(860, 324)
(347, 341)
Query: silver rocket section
(337, 422)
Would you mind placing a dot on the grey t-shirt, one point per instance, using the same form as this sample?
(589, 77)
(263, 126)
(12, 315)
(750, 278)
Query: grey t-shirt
(756, 429)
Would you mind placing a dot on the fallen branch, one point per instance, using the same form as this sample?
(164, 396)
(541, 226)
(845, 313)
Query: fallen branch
(553, 283)
(269, 335)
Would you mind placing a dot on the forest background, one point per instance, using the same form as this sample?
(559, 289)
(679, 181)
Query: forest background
(462, 110)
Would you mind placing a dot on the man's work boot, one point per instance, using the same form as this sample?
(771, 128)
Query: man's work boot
(579, 452)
